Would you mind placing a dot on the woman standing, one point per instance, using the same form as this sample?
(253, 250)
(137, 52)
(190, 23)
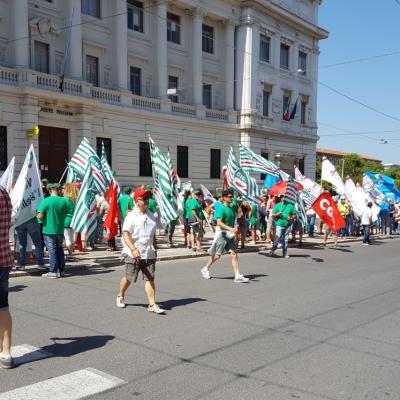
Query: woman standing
(70, 192)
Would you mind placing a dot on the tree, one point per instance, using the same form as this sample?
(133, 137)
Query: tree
(354, 166)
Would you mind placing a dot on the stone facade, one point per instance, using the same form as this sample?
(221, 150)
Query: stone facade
(216, 43)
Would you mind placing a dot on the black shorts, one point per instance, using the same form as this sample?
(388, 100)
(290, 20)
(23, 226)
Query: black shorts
(133, 266)
(4, 276)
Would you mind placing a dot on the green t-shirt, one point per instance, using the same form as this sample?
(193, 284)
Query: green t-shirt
(125, 203)
(55, 209)
(194, 205)
(227, 215)
(187, 211)
(287, 210)
(152, 205)
(70, 213)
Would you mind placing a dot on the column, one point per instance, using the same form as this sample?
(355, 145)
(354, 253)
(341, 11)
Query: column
(229, 65)
(161, 48)
(247, 61)
(314, 82)
(120, 34)
(29, 119)
(74, 63)
(294, 58)
(276, 50)
(20, 33)
(197, 57)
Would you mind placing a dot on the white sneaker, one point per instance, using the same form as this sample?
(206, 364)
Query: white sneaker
(286, 256)
(240, 279)
(120, 302)
(205, 272)
(155, 309)
(51, 275)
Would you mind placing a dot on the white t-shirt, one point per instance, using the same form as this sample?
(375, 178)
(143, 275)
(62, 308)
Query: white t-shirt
(365, 218)
(142, 228)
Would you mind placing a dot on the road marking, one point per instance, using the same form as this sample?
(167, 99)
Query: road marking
(26, 353)
(74, 386)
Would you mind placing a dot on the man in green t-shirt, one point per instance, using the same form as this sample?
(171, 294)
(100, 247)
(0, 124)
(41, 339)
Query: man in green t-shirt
(284, 214)
(125, 203)
(196, 218)
(52, 212)
(224, 240)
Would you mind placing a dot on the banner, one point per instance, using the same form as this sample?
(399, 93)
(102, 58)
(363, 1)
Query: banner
(27, 192)
(253, 163)
(7, 178)
(326, 209)
(372, 190)
(329, 174)
(308, 184)
(207, 194)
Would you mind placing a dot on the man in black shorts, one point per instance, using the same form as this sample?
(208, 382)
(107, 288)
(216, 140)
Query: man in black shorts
(139, 250)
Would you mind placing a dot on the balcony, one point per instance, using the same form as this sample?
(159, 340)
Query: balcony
(30, 78)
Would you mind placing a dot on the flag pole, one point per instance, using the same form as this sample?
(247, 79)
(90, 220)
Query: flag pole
(65, 170)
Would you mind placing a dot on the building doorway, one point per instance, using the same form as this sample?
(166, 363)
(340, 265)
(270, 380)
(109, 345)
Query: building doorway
(53, 152)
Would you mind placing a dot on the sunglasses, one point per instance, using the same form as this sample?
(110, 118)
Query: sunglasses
(229, 197)
(143, 198)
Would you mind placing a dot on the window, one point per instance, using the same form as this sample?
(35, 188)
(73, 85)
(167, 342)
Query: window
(215, 164)
(92, 70)
(145, 168)
(264, 48)
(136, 74)
(303, 110)
(265, 103)
(41, 57)
(284, 56)
(107, 148)
(91, 7)
(285, 108)
(301, 165)
(135, 15)
(207, 98)
(173, 84)
(173, 28)
(208, 39)
(266, 156)
(3, 148)
(302, 63)
(182, 161)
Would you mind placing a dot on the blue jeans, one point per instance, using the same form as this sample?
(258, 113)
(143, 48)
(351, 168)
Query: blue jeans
(54, 244)
(32, 228)
(366, 234)
(311, 224)
(282, 235)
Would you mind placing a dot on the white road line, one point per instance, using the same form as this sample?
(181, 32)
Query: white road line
(74, 386)
(26, 353)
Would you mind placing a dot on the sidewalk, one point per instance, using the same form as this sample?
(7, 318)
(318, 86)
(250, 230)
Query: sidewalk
(101, 258)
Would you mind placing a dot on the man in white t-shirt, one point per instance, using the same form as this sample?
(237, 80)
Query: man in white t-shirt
(366, 222)
(139, 251)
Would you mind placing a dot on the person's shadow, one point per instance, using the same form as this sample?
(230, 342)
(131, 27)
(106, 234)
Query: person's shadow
(170, 304)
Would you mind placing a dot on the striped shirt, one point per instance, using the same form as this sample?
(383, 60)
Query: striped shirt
(6, 257)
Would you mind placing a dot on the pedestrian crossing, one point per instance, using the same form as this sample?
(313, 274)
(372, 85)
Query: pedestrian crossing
(72, 386)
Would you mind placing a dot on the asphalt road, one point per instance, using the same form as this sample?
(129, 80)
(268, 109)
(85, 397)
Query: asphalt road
(322, 325)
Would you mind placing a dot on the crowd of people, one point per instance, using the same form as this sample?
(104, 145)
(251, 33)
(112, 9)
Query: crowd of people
(234, 221)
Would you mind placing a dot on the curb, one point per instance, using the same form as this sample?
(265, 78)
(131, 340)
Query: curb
(115, 263)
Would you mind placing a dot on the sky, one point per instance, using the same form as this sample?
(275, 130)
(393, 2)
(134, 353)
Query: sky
(360, 29)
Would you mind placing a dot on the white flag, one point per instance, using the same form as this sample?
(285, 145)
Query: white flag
(7, 178)
(27, 192)
(207, 194)
(329, 174)
(308, 184)
(371, 189)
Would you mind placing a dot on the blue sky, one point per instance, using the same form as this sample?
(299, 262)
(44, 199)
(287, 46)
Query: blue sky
(358, 29)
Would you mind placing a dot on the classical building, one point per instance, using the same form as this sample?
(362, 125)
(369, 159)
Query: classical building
(198, 76)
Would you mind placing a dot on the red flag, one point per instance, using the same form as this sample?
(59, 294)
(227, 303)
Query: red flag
(111, 221)
(326, 209)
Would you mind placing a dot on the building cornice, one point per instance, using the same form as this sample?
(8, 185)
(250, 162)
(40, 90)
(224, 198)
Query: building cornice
(287, 17)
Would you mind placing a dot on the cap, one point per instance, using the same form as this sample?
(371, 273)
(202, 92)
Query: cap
(53, 186)
(342, 198)
(198, 192)
(139, 192)
(148, 187)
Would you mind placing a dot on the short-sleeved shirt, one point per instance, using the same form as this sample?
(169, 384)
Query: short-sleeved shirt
(152, 205)
(6, 257)
(217, 205)
(287, 210)
(70, 213)
(125, 203)
(227, 215)
(142, 228)
(187, 211)
(366, 216)
(55, 210)
(195, 205)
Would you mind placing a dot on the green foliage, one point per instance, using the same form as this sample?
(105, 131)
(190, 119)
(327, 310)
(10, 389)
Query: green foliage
(354, 166)
(395, 174)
